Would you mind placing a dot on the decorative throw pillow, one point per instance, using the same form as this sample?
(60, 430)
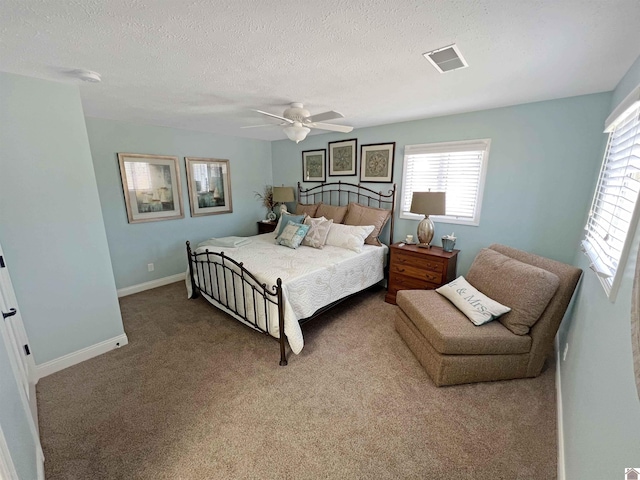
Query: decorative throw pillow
(331, 212)
(525, 288)
(350, 237)
(292, 235)
(318, 231)
(362, 215)
(308, 208)
(284, 219)
(479, 308)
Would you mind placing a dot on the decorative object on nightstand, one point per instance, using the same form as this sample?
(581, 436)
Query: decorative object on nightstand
(265, 226)
(414, 268)
(281, 195)
(427, 203)
(448, 242)
(266, 198)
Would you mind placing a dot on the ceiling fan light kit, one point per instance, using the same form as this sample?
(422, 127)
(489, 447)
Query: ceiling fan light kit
(296, 132)
(298, 122)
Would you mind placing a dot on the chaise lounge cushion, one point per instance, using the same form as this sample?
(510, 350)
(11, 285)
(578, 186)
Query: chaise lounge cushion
(450, 332)
(525, 288)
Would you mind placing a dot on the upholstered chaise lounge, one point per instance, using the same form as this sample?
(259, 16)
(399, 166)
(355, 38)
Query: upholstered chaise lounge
(453, 350)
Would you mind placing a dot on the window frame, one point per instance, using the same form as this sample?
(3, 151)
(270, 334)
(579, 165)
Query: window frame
(609, 278)
(441, 147)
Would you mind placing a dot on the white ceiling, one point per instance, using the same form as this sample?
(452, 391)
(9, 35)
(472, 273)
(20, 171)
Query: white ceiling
(203, 64)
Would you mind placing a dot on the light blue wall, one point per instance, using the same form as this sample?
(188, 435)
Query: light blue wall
(51, 226)
(599, 397)
(14, 421)
(542, 164)
(162, 243)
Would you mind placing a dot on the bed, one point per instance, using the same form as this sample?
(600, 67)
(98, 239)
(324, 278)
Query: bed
(274, 289)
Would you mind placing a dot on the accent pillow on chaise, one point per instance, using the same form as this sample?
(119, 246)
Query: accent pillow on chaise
(479, 308)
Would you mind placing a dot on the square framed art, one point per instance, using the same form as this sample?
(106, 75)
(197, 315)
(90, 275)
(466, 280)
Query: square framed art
(209, 182)
(314, 165)
(342, 157)
(151, 187)
(376, 162)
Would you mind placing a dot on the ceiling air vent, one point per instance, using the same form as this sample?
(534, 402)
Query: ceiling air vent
(446, 58)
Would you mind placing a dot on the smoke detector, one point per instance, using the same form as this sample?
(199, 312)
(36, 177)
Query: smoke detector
(87, 76)
(446, 59)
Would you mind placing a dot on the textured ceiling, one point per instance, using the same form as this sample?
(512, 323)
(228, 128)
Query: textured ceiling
(203, 65)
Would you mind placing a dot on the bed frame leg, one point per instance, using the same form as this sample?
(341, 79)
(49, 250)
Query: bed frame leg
(194, 289)
(283, 353)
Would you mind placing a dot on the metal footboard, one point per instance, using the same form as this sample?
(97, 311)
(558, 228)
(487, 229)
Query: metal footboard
(237, 291)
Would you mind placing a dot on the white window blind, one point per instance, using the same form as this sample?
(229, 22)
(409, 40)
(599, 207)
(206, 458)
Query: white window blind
(613, 214)
(457, 168)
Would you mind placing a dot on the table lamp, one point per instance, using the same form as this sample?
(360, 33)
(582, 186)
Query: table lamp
(427, 203)
(281, 195)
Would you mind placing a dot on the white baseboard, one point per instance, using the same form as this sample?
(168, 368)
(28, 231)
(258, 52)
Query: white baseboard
(561, 467)
(141, 287)
(74, 358)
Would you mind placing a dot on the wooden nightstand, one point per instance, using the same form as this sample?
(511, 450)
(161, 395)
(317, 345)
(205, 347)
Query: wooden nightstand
(266, 227)
(412, 268)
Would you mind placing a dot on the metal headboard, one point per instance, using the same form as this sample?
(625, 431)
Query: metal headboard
(342, 193)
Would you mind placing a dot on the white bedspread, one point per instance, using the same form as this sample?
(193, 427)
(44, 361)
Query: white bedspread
(311, 278)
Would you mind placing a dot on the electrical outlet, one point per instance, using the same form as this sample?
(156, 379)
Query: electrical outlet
(150, 267)
(566, 350)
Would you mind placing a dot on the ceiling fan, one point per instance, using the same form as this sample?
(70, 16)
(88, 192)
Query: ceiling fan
(298, 122)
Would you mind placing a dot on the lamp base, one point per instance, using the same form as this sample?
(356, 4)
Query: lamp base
(283, 209)
(426, 229)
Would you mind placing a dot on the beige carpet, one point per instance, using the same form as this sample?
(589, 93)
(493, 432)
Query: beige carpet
(196, 395)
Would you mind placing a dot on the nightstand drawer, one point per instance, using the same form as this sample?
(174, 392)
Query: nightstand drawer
(419, 261)
(400, 282)
(415, 268)
(416, 272)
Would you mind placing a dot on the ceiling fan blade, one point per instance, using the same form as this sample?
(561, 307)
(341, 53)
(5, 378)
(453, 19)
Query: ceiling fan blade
(264, 125)
(321, 117)
(274, 116)
(331, 127)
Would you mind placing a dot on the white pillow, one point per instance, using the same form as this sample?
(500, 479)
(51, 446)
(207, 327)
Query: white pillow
(350, 237)
(318, 231)
(478, 307)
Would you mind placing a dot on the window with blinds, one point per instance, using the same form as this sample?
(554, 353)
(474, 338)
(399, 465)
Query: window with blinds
(457, 168)
(613, 216)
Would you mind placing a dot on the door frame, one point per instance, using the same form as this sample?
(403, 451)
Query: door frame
(14, 337)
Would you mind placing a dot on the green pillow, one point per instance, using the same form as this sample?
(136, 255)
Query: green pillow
(286, 217)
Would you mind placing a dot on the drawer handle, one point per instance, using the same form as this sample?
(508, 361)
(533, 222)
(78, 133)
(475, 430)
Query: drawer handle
(400, 269)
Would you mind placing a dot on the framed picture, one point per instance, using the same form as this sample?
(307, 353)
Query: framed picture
(151, 186)
(314, 165)
(209, 181)
(376, 162)
(342, 157)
